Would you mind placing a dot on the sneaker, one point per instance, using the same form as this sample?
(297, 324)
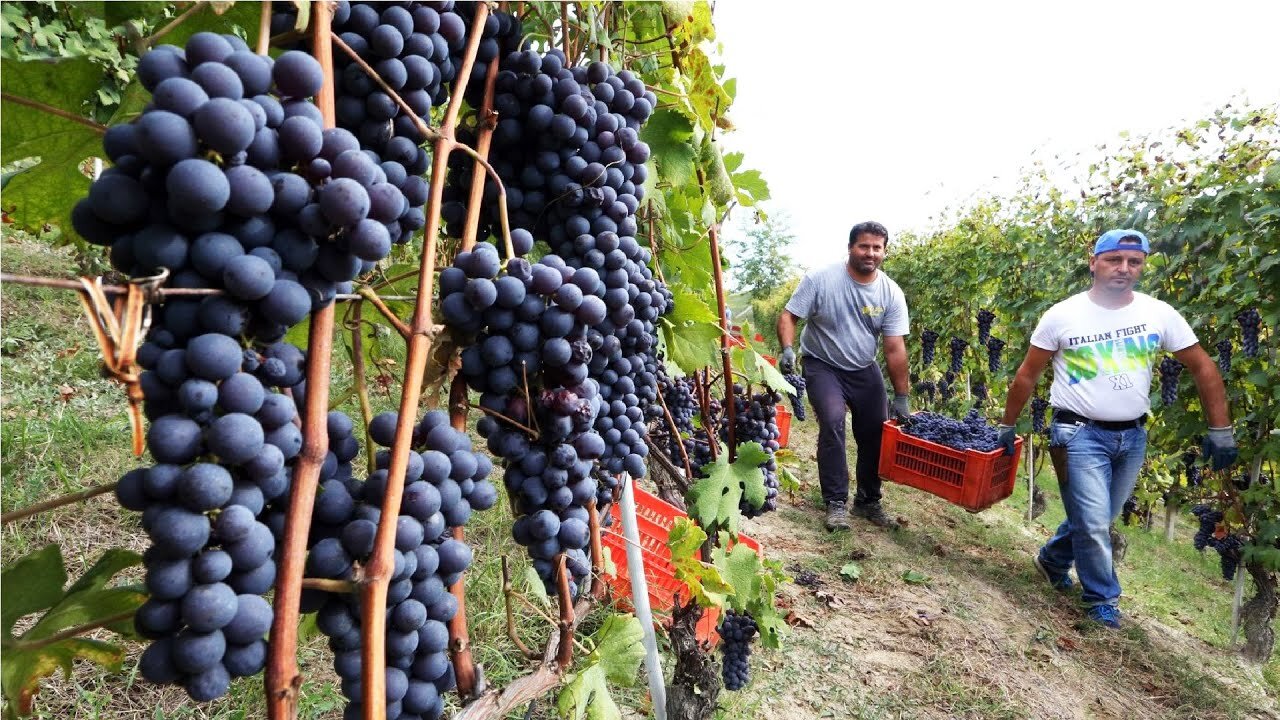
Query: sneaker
(1060, 581)
(1106, 615)
(837, 517)
(874, 514)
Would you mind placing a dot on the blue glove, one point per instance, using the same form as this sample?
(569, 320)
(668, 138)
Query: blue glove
(1220, 448)
(900, 409)
(1008, 435)
(787, 363)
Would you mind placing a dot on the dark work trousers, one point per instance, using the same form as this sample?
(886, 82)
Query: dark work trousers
(832, 391)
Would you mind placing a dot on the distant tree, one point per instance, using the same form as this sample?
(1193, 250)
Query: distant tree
(761, 262)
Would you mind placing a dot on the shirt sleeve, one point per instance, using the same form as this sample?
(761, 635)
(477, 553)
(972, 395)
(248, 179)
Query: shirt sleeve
(1177, 334)
(801, 302)
(1045, 336)
(897, 320)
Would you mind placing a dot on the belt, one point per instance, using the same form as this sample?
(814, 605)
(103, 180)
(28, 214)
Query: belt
(1070, 418)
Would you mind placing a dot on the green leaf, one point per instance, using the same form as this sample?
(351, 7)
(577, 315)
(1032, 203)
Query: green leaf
(741, 568)
(915, 577)
(692, 346)
(704, 581)
(851, 571)
(619, 648)
(31, 584)
(751, 187)
(111, 563)
(758, 369)
(690, 307)
(533, 586)
(85, 608)
(669, 136)
(587, 696)
(713, 500)
(23, 669)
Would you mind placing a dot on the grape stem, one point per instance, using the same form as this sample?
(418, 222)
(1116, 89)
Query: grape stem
(264, 29)
(568, 621)
(368, 293)
(173, 25)
(533, 434)
(36, 105)
(283, 678)
(507, 592)
(72, 632)
(360, 381)
(597, 551)
(464, 667)
(37, 508)
(327, 585)
(730, 410)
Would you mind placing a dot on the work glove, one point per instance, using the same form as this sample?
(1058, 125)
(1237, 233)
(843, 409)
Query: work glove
(1008, 435)
(899, 409)
(787, 363)
(1220, 448)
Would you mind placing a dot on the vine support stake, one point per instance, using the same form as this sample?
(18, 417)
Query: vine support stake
(380, 566)
(283, 678)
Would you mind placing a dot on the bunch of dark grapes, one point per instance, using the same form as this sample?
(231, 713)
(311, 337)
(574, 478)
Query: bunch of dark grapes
(1130, 510)
(995, 348)
(210, 183)
(971, 433)
(928, 344)
(797, 400)
(980, 393)
(1230, 550)
(927, 388)
(737, 632)
(1209, 519)
(445, 482)
(756, 420)
(1038, 407)
(957, 348)
(985, 318)
(1191, 468)
(1250, 323)
(1224, 355)
(1170, 369)
(678, 394)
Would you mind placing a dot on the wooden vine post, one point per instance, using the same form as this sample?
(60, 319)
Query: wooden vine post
(283, 678)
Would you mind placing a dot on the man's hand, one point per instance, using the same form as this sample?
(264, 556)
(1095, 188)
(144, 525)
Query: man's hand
(1008, 434)
(787, 363)
(900, 409)
(1220, 448)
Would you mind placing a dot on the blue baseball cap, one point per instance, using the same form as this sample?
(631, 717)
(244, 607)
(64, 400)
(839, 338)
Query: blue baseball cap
(1122, 240)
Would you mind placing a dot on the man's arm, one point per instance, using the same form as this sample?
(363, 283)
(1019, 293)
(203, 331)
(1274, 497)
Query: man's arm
(895, 356)
(1213, 394)
(1024, 382)
(786, 328)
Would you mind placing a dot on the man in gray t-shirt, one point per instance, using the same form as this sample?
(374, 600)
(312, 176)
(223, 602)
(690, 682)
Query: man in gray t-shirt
(848, 308)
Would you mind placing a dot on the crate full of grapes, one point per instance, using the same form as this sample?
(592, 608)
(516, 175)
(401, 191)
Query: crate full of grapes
(959, 461)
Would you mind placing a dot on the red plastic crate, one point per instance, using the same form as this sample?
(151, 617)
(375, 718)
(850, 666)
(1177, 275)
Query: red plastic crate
(654, 520)
(784, 425)
(968, 478)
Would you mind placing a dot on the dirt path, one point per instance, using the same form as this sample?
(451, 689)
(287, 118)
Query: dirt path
(980, 637)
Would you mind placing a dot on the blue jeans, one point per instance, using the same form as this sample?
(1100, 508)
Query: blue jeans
(1102, 468)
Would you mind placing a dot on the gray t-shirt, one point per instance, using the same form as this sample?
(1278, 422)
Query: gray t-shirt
(844, 318)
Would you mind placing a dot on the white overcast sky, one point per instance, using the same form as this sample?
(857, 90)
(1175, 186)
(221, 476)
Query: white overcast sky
(895, 111)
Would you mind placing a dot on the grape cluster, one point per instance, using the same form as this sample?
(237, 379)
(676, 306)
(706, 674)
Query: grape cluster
(995, 348)
(208, 183)
(797, 400)
(445, 482)
(1169, 369)
(946, 386)
(1230, 550)
(957, 347)
(737, 632)
(756, 420)
(928, 345)
(1191, 468)
(927, 388)
(985, 318)
(678, 394)
(971, 433)
(1130, 510)
(1038, 407)
(980, 392)
(1209, 519)
(1250, 323)
(1224, 355)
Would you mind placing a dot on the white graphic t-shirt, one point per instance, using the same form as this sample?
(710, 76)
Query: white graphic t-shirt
(1102, 358)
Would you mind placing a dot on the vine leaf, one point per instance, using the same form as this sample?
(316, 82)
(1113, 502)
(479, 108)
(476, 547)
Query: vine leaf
(692, 346)
(670, 138)
(758, 369)
(714, 500)
(705, 582)
(616, 658)
(35, 583)
(741, 568)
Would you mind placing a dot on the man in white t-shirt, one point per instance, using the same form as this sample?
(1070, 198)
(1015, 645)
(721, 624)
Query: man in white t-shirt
(1103, 343)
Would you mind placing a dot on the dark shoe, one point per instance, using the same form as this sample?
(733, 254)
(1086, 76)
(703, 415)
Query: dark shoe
(1060, 581)
(875, 515)
(1106, 615)
(837, 517)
